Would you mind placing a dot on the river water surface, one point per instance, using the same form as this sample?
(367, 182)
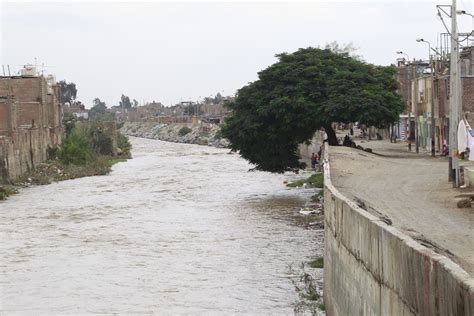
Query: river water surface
(178, 229)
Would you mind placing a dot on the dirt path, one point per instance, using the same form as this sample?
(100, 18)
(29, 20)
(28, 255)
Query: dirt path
(412, 191)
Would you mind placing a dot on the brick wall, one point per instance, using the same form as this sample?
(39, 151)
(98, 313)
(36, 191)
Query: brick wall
(24, 89)
(468, 94)
(4, 125)
(29, 114)
(28, 125)
(404, 86)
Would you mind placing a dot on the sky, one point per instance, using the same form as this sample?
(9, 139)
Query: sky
(175, 51)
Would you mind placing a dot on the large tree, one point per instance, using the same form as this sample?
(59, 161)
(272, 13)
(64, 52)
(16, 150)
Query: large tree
(98, 108)
(303, 91)
(67, 91)
(125, 102)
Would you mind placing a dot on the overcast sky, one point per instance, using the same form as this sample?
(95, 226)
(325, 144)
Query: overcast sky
(169, 52)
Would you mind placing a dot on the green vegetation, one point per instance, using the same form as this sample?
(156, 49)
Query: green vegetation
(113, 161)
(6, 191)
(322, 307)
(125, 102)
(316, 197)
(124, 144)
(56, 170)
(98, 110)
(86, 150)
(303, 91)
(104, 117)
(309, 299)
(314, 181)
(317, 263)
(68, 91)
(75, 149)
(184, 131)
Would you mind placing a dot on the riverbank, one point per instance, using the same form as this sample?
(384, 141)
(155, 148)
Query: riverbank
(88, 149)
(54, 170)
(199, 134)
(309, 283)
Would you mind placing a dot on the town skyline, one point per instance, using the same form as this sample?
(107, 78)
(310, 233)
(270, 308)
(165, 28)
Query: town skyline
(193, 50)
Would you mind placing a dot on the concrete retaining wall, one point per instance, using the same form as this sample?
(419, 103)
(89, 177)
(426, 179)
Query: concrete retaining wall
(371, 268)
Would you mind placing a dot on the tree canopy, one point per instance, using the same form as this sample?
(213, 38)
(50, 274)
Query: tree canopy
(303, 91)
(125, 102)
(98, 108)
(67, 91)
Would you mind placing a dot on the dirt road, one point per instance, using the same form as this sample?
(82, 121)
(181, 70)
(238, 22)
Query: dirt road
(412, 191)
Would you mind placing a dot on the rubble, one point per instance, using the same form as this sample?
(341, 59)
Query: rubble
(200, 134)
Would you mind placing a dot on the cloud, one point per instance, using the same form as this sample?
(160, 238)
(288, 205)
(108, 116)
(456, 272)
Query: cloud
(166, 51)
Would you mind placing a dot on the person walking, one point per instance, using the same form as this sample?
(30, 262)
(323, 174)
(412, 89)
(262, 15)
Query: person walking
(313, 161)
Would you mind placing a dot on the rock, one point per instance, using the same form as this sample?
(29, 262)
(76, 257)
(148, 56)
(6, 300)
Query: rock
(319, 225)
(307, 211)
(463, 203)
(202, 134)
(369, 150)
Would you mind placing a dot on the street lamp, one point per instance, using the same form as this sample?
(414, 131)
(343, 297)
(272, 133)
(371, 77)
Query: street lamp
(420, 40)
(464, 12)
(402, 53)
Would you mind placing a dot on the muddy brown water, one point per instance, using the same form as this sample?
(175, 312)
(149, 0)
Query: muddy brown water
(179, 229)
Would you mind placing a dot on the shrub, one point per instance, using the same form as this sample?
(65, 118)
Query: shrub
(123, 143)
(6, 191)
(309, 299)
(218, 134)
(184, 130)
(52, 152)
(314, 181)
(75, 149)
(101, 143)
(317, 263)
(69, 126)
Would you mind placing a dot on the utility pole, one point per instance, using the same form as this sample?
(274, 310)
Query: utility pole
(410, 97)
(415, 98)
(432, 67)
(433, 122)
(454, 99)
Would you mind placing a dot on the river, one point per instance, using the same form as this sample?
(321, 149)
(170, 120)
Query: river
(179, 229)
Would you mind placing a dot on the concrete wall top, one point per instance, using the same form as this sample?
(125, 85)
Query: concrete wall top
(372, 268)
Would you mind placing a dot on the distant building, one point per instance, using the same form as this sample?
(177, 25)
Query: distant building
(81, 115)
(431, 95)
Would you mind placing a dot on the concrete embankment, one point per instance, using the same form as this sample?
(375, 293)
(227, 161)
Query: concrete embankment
(371, 268)
(201, 134)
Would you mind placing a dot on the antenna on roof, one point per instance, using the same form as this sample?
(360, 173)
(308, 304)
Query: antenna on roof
(3, 67)
(9, 74)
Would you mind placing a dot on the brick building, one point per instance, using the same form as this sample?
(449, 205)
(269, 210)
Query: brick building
(30, 121)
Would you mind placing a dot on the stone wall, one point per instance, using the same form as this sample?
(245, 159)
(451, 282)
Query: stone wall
(371, 268)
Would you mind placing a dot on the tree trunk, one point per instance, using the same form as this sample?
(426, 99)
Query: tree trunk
(332, 139)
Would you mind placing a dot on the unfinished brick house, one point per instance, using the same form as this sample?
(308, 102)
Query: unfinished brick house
(30, 121)
(421, 93)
